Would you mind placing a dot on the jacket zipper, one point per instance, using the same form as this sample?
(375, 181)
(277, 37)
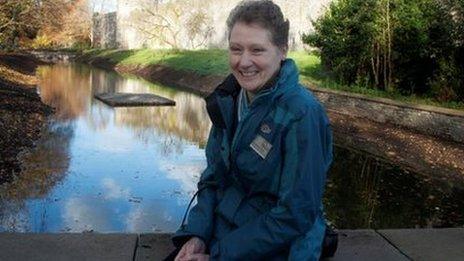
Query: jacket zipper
(238, 131)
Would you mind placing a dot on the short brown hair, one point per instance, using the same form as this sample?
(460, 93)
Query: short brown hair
(264, 13)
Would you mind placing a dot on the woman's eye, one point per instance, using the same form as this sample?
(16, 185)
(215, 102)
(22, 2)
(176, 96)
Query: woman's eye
(258, 50)
(234, 49)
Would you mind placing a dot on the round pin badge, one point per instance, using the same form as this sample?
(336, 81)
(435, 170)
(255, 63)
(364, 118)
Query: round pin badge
(265, 128)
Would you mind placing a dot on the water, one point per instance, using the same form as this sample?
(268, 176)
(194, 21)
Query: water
(102, 169)
(364, 192)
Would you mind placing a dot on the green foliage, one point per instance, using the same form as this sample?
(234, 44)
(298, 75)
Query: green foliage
(344, 35)
(80, 45)
(411, 46)
(41, 42)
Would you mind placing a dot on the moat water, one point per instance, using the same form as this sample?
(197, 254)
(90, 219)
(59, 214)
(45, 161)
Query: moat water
(103, 169)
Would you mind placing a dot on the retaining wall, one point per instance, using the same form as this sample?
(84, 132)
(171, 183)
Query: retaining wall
(439, 122)
(54, 56)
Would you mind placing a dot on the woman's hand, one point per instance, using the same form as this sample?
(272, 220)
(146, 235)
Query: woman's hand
(196, 257)
(194, 249)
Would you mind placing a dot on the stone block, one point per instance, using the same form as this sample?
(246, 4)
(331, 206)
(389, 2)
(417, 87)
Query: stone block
(428, 244)
(153, 247)
(69, 247)
(365, 245)
(133, 99)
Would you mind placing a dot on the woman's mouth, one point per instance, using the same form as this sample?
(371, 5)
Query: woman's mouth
(248, 74)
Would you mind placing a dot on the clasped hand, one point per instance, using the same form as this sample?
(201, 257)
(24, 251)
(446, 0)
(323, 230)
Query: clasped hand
(193, 250)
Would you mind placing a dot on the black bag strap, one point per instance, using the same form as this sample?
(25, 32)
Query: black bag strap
(201, 187)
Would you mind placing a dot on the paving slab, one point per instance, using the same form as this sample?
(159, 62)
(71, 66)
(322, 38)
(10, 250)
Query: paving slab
(153, 247)
(353, 245)
(428, 244)
(69, 247)
(404, 244)
(133, 99)
(365, 245)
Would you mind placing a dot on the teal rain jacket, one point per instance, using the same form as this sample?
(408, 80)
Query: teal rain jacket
(260, 197)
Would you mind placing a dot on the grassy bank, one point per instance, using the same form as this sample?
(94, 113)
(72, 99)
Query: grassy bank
(214, 62)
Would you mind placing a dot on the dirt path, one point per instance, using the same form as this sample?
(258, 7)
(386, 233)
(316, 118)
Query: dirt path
(22, 113)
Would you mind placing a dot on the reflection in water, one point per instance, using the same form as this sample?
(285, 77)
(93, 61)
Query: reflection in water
(105, 169)
(70, 89)
(44, 167)
(134, 169)
(79, 215)
(363, 192)
(65, 89)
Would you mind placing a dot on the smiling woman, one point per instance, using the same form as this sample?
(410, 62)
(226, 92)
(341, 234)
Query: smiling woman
(270, 146)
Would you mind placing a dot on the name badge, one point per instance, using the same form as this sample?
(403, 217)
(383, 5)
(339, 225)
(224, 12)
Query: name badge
(261, 146)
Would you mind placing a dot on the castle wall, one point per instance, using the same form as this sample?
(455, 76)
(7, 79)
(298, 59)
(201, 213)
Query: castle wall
(192, 24)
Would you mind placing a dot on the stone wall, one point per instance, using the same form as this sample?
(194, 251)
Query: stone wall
(104, 30)
(188, 24)
(54, 56)
(429, 120)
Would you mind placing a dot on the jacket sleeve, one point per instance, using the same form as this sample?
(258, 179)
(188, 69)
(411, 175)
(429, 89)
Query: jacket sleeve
(306, 157)
(200, 218)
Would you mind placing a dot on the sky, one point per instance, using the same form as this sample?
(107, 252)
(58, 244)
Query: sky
(103, 6)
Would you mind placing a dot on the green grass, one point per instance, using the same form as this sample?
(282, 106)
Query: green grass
(214, 62)
(203, 62)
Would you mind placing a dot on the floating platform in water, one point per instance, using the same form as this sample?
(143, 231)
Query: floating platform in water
(133, 99)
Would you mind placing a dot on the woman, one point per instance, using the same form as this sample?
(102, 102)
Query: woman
(260, 197)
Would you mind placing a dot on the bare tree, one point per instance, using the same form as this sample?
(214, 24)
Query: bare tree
(176, 24)
(65, 22)
(198, 28)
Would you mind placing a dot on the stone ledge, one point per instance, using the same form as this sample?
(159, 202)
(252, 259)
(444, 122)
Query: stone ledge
(85, 246)
(428, 244)
(363, 244)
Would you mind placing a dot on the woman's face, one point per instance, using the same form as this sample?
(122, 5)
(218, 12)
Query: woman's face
(253, 58)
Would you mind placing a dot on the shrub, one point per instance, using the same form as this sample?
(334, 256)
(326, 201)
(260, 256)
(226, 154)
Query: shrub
(413, 46)
(41, 42)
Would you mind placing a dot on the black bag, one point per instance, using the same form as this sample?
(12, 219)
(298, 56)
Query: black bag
(330, 243)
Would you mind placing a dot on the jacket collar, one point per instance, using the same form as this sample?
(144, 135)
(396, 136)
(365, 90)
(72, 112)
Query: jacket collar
(229, 86)
(221, 103)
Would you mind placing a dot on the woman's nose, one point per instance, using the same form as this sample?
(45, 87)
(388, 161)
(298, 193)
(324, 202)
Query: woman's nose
(245, 60)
